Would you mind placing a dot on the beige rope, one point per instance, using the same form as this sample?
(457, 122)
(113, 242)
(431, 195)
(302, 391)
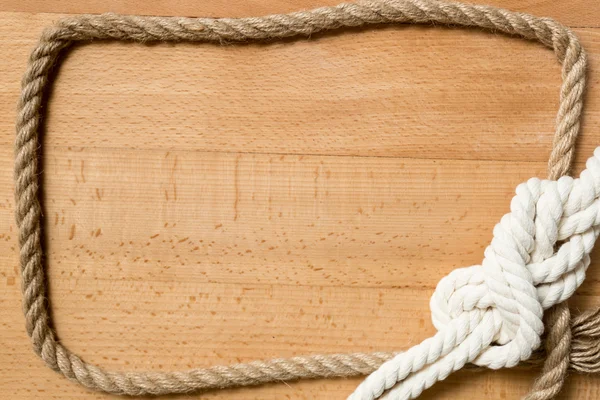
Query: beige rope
(585, 346)
(558, 348)
(305, 23)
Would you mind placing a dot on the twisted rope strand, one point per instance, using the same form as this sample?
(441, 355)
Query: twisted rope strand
(558, 318)
(558, 347)
(304, 23)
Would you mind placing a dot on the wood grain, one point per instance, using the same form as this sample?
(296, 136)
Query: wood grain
(209, 204)
(575, 13)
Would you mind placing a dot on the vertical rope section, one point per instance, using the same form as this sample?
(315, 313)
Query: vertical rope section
(558, 318)
(558, 348)
(46, 56)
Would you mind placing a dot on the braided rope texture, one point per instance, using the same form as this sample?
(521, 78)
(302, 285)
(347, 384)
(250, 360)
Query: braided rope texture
(56, 39)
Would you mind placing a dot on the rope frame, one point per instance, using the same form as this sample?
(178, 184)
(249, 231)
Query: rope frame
(46, 57)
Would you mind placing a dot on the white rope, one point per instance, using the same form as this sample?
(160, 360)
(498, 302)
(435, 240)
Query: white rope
(491, 314)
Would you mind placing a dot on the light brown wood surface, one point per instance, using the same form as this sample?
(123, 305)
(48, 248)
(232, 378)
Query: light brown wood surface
(208, 205)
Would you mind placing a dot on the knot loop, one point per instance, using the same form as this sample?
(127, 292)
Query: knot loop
(491, 314)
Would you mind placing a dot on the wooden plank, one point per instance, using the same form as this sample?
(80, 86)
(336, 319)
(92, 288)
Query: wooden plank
(293, 220)
(211, 205)
(577, 13)
(391, 92)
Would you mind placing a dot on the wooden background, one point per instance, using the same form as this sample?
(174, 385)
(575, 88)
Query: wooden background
(208, 205)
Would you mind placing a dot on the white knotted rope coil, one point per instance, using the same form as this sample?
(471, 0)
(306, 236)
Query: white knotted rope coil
(491, 314)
